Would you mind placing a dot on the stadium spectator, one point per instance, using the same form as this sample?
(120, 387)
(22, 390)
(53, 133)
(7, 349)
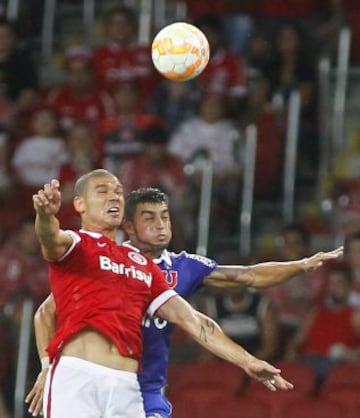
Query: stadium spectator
(291, 68)
(155, 166)
(237, 17)
(211, 136)
(331, 333)
(351, 11)
(82, 158)
(352, 256)
(18, 77)
(174, 101)
(5, 178)
(78, 99)
(123, 58)
(321, 20)
(37, 158)
(246, 316)
(270, 123)
(23, 272)
(120, 134)
(293, 299)
(225, 73)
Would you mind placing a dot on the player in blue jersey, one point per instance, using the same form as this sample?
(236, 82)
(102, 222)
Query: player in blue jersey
(148, 225)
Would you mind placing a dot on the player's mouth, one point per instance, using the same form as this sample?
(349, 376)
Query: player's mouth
(162, 237)
(113, 210)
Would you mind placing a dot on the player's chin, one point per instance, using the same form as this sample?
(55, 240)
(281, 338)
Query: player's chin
(162, 241)
(160, 245)
(114, 220)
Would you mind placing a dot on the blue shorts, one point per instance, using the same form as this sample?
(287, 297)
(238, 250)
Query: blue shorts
(156, 405)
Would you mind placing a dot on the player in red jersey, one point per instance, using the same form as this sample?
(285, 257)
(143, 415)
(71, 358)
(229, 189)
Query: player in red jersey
(102, 292)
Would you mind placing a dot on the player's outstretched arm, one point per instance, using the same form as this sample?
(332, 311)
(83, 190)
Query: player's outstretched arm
(54, 241)
(270, 273)
(45, 326)
(208, 334)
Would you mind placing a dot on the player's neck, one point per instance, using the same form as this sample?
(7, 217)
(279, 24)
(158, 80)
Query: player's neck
(107, 232)
(151, 254)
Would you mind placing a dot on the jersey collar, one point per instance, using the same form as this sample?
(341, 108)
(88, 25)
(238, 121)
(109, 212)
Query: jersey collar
(165, 256)
(92, 234)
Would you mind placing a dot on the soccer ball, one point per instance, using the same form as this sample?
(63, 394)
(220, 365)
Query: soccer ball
(180, 51)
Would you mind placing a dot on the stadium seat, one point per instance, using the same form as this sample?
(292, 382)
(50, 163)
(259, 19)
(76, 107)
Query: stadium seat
(303, 378)
(217, 374)
(211, 403)
(349, 398)
(313, 408)
(340, 377)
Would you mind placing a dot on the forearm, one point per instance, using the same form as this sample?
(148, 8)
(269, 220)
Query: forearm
(48, 229)
(260, 275)
(209, 335)
(204, 330)
(54, 241)
(45, 326)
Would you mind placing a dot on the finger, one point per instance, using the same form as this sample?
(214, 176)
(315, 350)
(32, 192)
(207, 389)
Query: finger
(283, 384)
(43, 197)
(270, 370)
(30, 395)
(48, 190)
(335, 253)
(55, 184)
(38, 406)
(270, 384)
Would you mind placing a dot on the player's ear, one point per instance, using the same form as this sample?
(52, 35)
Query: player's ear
(79, 204)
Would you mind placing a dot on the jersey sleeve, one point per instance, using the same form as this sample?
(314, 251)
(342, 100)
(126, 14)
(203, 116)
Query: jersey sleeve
(75, 240)
(160, 291)
(201, 267)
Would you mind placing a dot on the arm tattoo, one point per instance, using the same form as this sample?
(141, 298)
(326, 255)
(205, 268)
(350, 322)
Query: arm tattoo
(205, 328)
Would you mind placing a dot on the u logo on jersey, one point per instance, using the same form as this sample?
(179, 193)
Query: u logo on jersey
(171, 277)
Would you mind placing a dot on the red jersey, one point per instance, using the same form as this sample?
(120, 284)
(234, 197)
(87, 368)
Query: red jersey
(108, 287)
(224, 74)
(114, 64)
(69, 106)
(331, 327)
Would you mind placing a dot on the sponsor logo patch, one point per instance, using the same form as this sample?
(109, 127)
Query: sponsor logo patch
(137, 258)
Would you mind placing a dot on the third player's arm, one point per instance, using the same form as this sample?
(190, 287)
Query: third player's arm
(45, 326)
(267, 274)
(208, 334)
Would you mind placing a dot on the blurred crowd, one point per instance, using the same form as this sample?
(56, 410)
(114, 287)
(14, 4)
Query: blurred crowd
(113, 110)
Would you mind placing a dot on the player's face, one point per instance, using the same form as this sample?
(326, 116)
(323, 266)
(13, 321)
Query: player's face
(102, 205)
(150, 229)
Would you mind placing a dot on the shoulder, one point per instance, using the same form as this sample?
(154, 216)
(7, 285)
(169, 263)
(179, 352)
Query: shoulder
(196, 258)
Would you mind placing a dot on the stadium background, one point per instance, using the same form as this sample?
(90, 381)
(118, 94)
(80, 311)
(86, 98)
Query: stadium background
(281, 183)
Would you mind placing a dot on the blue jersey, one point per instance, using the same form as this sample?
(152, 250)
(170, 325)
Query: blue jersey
(185, 273)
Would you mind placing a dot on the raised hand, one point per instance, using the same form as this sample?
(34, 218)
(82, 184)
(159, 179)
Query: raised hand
(35, 397)
(318, 259)
(267, 374)
(47, 201)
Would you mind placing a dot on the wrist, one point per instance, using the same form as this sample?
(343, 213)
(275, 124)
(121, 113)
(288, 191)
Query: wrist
(304, 264)
(45, 362)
